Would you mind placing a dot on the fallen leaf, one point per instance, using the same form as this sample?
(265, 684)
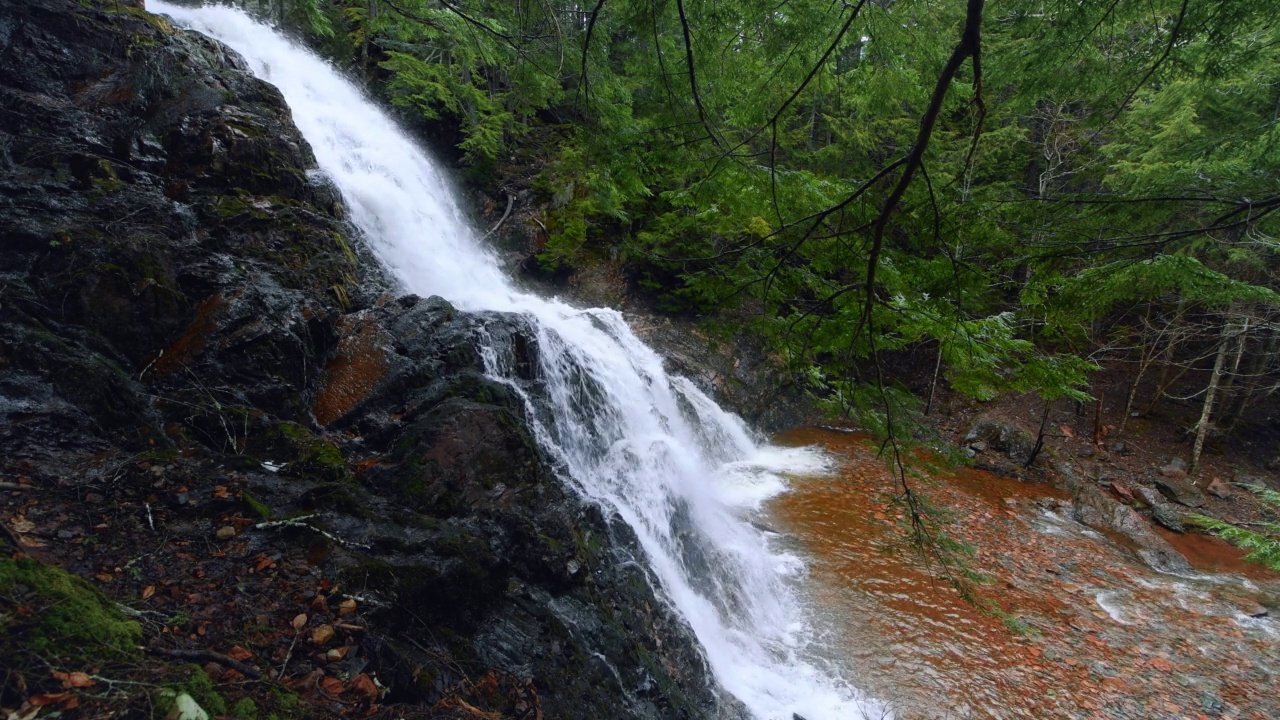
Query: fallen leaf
(346, 606)
(103, 577)
(239, 653)
(322, 634)
(148, 591)
(363, 686)
(332, 686)
(48, 698)
(1067, 431)
(300, 621)
(74, 679)
(21, 524)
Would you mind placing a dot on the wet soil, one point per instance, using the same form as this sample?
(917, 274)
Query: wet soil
(1075, 625)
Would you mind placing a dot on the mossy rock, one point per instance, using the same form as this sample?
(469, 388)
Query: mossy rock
(70, 617)
(309, 456)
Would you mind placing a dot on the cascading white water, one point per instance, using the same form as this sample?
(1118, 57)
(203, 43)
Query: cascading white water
(685, 474)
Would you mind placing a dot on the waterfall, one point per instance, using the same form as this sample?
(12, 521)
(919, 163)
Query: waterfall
(685, 474)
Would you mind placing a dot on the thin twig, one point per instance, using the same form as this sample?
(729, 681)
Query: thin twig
(210, 656)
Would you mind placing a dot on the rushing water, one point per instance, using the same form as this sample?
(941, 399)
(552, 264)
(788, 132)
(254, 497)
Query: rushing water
(685, 474)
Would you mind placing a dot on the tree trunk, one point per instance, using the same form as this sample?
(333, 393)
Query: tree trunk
(1202, 427)
(933, 386)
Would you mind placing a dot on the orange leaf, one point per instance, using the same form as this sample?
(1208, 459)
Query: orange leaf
(346, 606)
(48, 698)
(239, 653)
(332, 686)
(75, 679)
(148, 591)
(300, 621)
(364, 687)
(1066, 430)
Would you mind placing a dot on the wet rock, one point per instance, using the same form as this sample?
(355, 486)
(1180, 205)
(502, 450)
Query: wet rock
(1122, 491)
(1168, 516)
(178, 283)
(1179, 490)
(1003, 436)
(1256, 481)
(1093, 507)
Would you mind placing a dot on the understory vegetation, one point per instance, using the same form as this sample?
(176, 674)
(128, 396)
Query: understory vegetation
(992, 196)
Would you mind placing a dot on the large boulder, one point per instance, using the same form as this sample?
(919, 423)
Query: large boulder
(180, 288)
(1003, 436)
(1179, 490)
(1097, 509)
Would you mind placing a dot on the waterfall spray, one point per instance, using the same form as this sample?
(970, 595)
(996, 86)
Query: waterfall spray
(685, 474)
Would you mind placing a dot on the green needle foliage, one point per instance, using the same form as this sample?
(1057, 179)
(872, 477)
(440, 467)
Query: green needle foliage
(1004, 192)
(1262, 540)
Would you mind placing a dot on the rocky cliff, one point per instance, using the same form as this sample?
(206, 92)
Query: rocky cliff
(217, 411)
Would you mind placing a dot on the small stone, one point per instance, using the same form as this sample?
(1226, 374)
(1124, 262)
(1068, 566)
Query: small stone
(573, 567)
(1087, 452)
(226, 532)
(1176, 469)
(1122, 491)
(65, 534)
(978, 447)
(94, 498)
(1117, 447)
(1218, 488)
(322, 634)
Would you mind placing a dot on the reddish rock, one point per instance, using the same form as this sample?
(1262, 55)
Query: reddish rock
(1122, 490)
(1218, 488)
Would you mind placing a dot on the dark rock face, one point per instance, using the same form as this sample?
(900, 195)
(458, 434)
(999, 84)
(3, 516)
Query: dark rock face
(1003, 436)
(175, 280)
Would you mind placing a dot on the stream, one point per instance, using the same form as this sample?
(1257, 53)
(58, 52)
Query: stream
(1083, 629)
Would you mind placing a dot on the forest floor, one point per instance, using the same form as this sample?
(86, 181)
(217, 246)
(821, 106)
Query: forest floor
(248, 617)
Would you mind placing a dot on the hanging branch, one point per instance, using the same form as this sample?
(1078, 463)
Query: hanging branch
(1168, 49)
(970, 42)
(693, 78)
(586, 45)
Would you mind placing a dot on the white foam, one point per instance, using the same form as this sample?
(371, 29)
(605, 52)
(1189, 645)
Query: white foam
(684, 473)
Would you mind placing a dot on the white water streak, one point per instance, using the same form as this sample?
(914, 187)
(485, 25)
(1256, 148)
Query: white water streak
(681, 471)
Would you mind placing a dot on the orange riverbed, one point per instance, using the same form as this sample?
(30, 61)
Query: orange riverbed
(1083, 630)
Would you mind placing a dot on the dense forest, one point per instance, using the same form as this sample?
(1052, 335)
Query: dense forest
(1013, 191)
(892, 196)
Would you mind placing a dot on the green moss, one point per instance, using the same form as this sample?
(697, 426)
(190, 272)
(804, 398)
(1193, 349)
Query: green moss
(245, 709)
(285, 701)
(200, 688)
(257, 505)
(71, 618)
(310, 457)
